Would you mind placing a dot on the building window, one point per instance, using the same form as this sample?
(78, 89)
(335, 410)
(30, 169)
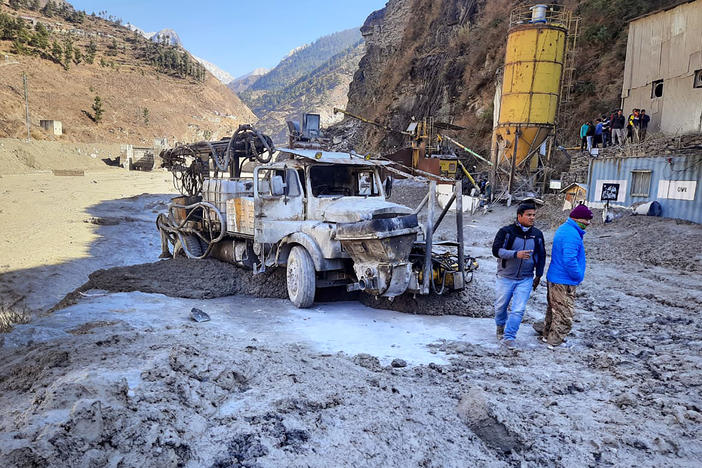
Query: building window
(640, 183)
(657, 89)
(697, 83)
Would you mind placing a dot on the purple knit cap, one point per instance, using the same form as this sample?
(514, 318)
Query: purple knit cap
(581, 212)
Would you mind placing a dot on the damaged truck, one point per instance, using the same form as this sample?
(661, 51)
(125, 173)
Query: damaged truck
(323, 216)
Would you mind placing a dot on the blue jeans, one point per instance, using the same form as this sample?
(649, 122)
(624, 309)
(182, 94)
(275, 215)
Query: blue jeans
(516, 291)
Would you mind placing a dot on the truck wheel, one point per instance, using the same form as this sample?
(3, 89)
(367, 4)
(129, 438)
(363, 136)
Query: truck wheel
(301, 275)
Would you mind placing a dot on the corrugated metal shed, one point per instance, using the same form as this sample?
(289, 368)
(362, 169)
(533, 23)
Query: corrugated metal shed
(674, 181)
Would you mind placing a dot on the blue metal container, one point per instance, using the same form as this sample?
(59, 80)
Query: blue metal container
(674, 181)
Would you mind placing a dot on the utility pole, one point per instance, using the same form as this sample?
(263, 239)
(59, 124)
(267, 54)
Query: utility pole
(26, 105)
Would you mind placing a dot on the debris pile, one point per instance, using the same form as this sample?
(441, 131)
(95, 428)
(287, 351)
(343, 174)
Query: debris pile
(659, 146)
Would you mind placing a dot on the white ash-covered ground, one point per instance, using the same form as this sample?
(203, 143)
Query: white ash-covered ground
(126, 379)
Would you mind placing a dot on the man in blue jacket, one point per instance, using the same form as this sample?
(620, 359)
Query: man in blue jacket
(519, 248)
(566, 271)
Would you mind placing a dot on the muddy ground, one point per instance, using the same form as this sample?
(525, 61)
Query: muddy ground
(125, 379)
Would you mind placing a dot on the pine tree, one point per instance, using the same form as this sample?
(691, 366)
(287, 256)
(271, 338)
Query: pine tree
(56, 52)
(97, 109)
(67, 53)
(92, 49)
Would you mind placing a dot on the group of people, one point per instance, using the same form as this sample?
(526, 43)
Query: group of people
(614, 129)
(521, 258)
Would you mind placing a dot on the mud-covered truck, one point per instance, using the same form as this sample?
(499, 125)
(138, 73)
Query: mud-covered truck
(322, 215)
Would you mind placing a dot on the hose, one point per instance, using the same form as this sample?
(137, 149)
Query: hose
(176, 231)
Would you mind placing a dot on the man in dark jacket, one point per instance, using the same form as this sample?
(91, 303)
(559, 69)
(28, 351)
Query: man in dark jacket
(566, 271)
(519, 248)
(618, 128)
(644, 119)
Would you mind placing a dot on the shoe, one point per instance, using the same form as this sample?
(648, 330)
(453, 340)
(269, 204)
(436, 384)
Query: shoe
(500, 332)
(563, 345)
(509, 344)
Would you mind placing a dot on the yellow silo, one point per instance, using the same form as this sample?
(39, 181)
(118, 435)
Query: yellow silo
(531, 84)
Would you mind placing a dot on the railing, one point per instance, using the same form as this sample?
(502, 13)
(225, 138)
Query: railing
(550, 14)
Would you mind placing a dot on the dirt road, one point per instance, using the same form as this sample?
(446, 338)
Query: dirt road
(126, 379)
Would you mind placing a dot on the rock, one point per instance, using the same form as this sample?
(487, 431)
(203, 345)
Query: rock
(398, 363)
(198, 315)
(367, 361)
(474, 410)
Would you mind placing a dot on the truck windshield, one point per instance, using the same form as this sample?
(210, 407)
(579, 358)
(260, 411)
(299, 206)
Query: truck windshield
(340, 180)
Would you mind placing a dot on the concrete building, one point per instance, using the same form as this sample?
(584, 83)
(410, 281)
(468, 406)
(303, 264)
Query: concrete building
(55, 127)
(663, 70)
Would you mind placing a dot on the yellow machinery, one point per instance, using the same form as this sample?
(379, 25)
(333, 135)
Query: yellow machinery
(537, 49)
(425, 146)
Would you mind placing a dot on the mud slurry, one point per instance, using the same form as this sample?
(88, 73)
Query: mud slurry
(224, 404)
(210, 278)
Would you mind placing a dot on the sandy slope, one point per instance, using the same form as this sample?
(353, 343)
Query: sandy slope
(126, 379)
(48, 221)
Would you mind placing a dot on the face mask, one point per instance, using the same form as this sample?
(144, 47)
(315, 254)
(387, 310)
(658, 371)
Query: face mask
(582, 226)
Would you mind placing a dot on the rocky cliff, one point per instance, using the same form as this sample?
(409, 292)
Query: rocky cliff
(443, 58)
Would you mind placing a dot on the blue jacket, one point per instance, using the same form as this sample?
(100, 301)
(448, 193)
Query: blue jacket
(583, 130)
(567, 255)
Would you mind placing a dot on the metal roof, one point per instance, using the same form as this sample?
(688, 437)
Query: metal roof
(333, 157)
(582, 186)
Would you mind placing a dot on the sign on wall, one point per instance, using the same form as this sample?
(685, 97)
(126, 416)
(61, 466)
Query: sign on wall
(677, 189)
(610, 192)
(621, 193)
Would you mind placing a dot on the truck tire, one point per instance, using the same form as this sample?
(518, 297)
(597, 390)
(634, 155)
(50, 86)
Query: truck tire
(301, 277)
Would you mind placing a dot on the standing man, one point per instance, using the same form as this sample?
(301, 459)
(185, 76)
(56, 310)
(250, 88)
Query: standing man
(599, 131)
(566, 271)
(606, 129)
(519, 248)
(644, 119)
(583, 136)
(590, 135)
(634, 126)
(618, 125)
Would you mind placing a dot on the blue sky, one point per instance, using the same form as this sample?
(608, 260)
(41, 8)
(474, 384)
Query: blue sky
(239, 36)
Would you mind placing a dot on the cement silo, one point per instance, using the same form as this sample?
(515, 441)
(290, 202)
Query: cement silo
(531, 88)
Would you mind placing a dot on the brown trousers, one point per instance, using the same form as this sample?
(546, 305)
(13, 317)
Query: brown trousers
(559, 313)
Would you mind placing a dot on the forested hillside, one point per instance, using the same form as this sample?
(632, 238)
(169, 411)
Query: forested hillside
(76, 62)
(313, 78)
(318, 91)
(306, 59)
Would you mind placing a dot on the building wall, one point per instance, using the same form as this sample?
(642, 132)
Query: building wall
(666, 46)
(676, 183)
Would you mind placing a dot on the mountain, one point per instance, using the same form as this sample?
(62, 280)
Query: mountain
(318, 91)
(136, 29)
(448, 65)
(243, 82)
(146, 89)
(167, 36)
(218, 73)
(311, 78)
(172, 38)
(306, 58)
